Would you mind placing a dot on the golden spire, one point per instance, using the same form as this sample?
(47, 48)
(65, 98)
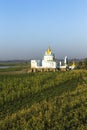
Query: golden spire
(49, 51)
(73, 63)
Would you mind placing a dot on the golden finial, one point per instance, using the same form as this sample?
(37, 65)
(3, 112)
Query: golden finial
(73, 63)
(49, 51)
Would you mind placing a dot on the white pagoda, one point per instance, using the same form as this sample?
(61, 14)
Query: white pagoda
(50, 63)
(48, 59)
(47, 62)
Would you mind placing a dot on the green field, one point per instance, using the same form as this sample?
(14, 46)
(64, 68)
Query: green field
(43, 100)
(14, 67)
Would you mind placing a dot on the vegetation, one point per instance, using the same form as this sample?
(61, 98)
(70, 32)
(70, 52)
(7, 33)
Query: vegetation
(82, 64)
(44, 101)
(13, 67)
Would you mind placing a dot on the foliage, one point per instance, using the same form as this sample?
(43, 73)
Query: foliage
(44, 101)
(82, 64)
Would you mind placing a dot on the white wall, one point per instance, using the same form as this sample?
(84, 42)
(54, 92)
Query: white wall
(48, 58)
(33, 64)
(48, 64)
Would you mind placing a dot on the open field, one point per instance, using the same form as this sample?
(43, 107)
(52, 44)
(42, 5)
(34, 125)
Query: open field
(14, 67)
(43, 100)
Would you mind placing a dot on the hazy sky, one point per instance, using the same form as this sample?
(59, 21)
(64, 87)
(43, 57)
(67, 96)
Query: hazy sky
(29, 27)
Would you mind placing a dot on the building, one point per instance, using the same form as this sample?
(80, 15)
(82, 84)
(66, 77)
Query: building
(63, 65)
(49, 62)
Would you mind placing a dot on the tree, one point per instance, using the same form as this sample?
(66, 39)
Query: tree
(85, 63)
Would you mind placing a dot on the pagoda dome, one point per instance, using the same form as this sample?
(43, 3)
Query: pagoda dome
(49, 52)
(49, 56)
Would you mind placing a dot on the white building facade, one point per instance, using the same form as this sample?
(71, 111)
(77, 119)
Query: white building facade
(47, 62)
(50, 63)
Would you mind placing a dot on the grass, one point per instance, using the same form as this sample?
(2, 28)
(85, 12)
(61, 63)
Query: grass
(43, 100)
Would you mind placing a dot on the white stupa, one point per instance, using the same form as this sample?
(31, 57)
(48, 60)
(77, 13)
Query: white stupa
(48, 59)
(47, 62)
